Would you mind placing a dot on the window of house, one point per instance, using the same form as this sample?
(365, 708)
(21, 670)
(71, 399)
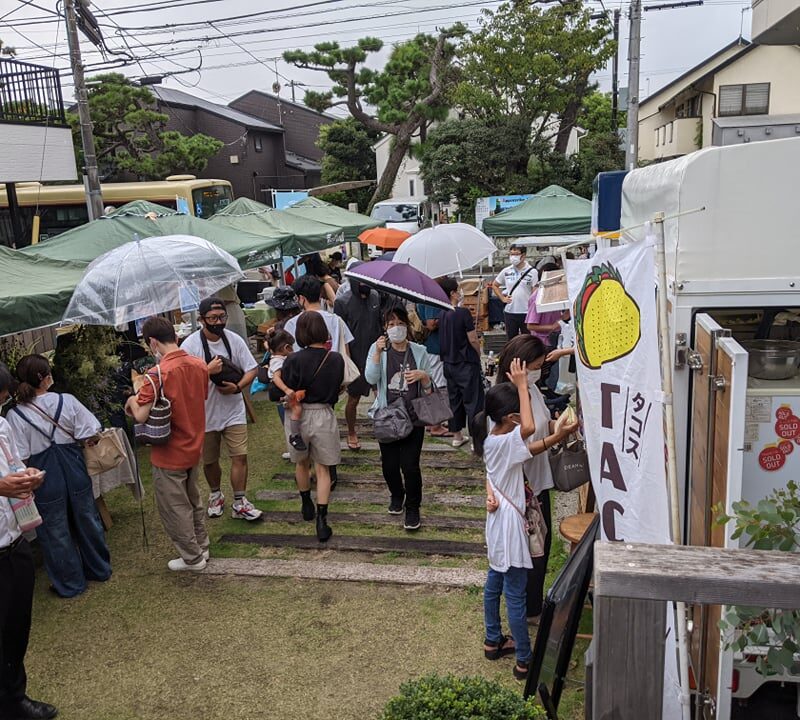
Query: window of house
(411, 187)
(257, 146)
(751, 99)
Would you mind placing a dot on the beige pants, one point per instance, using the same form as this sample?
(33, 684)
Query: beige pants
(182, 513)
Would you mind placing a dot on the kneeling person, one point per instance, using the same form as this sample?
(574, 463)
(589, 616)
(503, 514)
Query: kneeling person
(225, 354)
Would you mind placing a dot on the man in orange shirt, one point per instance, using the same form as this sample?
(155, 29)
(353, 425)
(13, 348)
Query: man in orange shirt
(176, 464)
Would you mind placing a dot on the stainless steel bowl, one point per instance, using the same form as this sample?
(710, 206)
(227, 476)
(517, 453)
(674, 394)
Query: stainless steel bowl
(772, 359)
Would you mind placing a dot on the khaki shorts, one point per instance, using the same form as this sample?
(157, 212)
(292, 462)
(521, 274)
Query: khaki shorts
(320, 431)
(235, 438)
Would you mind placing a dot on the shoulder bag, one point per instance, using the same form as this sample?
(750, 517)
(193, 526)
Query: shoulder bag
(393, 422)
(104, 455)
(569, 464)
(519, 280)
(157, 429)
(534, 523)
(351, 371)
(433, 408)
(230, 372)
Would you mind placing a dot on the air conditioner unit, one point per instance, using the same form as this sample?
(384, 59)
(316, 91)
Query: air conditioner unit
(767, 131)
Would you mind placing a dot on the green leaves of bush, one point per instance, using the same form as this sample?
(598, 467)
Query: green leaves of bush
(434, 697)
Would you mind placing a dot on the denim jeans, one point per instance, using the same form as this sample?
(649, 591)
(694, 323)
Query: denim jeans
(512, 584)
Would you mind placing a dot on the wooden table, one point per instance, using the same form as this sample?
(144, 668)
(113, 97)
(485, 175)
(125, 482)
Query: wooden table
(573, 527)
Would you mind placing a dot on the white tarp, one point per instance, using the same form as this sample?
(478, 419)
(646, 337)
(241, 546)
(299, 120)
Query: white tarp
(749, 230)
(614, 313)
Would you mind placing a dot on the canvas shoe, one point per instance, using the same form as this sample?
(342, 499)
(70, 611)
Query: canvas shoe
(396, 506)
(206, 555)
(178, 565)
(216, 503)
(411, 521)
(245, 510)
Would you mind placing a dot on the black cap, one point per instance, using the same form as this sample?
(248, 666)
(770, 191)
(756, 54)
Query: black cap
(283, 298)
(210, 304)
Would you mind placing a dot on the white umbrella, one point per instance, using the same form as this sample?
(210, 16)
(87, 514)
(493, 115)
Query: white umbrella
(445, 249)
(149, 276)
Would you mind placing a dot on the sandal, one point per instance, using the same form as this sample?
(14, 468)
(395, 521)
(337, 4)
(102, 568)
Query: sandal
(353, 445)
(499, 649)
(521, 670)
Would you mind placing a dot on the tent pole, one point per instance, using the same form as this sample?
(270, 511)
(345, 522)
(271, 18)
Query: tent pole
(672, 466)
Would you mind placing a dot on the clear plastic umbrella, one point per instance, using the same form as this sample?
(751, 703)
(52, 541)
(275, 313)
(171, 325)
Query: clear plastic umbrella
(445, 249)
(149, 276)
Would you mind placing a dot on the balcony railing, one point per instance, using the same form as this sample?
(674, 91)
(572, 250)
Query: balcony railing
(30, 94)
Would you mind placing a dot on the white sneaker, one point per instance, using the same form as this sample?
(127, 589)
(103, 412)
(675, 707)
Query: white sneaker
(178, 564)
(459, 441)
(206, 555)
(285, 456)
(245, 510)
(216, 503)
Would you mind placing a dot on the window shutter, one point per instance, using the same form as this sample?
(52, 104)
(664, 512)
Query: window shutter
(756, 100)
(730, 99)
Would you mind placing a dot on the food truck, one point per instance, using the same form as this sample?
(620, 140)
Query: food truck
(732, 243)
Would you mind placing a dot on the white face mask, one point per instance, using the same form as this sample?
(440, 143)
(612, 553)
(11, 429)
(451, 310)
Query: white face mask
(397, 334)
(154, 352)
(534, 376)
(460, 298)
(515, 259)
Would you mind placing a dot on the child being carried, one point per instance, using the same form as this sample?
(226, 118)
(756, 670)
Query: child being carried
(281, 345)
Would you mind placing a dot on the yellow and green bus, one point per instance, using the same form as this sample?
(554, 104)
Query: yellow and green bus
(62, 207)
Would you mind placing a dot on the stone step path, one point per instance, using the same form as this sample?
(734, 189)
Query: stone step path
(372, 446)
(346, 571)
(361, 543)
(382, 498)
(434, 462)
(457, 482)
(366, 519)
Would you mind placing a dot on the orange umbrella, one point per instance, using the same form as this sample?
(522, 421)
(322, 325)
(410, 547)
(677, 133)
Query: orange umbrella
(385, 238)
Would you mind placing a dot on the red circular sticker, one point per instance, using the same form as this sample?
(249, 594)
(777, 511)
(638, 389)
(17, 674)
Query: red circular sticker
(786, 447)
(771, 458)
(784, 412)
(789, 428)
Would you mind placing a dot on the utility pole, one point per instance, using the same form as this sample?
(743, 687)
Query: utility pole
(615, 76)
(291, 85)
(634, 50)
(94, 199)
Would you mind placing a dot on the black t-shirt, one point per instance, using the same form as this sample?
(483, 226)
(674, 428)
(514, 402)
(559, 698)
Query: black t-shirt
(455, 346)
(298, 374)
(363, 317)
(396, 364)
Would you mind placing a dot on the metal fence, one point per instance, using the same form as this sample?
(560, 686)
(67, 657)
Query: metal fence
(30, 94)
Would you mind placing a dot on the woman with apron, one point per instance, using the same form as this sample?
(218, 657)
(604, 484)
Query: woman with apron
(48, 428)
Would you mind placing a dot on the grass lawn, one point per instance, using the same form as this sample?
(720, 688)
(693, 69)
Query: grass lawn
(151, 644)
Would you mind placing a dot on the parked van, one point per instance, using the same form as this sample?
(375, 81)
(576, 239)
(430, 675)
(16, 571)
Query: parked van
(409, 214)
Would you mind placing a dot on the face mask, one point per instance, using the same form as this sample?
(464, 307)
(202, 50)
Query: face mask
(363, 290)
(154, 352)
(397, 334)
(460, 301)
(515, 259)
(534, 376)
(216, 329)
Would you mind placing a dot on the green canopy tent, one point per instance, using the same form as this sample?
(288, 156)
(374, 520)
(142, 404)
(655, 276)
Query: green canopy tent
(352, 224)
(35, 290)
(144, 219)
(552, 211)
(302, 234)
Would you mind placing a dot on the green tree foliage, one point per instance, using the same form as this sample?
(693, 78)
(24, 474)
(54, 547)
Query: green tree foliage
(407, 94)
(348, 156)
(595, 115)
(472, 158)
(533, 62)
(773, 524)
(130, 135)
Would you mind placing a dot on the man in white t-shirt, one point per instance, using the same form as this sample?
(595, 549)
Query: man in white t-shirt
(226, 418)
(308, 290)
(514, 285)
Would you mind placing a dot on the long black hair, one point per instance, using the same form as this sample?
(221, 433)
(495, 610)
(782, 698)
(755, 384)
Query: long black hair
(525, 347)
(501, 400)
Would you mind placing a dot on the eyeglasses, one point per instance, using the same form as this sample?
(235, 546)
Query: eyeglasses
(216, 318)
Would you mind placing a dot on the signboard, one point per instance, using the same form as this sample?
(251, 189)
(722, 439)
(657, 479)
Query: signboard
(613, 301)
(488, 206)
(282, 199)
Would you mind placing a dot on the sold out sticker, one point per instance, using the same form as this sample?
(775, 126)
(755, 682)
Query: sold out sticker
(786, 447)
(789, 428)
(784, 412)
(771, 458)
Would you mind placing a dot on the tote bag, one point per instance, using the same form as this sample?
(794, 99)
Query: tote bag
(157, 429)
(569, 464)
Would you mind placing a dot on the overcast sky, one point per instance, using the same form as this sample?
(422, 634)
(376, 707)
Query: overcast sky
(237, 55)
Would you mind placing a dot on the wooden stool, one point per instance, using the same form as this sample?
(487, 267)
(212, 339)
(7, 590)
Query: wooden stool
(573, 527)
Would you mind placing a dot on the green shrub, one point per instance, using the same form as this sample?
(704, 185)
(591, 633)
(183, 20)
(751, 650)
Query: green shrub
(450, 698)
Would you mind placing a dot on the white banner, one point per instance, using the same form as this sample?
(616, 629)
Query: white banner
(613, 301)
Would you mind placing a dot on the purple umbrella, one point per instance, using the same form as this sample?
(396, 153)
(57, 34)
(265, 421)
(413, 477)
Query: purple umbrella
(402, 280)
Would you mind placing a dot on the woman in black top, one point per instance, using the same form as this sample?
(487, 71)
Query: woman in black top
(319, 373)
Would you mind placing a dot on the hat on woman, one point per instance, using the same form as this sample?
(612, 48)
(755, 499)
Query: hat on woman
(283, 299)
